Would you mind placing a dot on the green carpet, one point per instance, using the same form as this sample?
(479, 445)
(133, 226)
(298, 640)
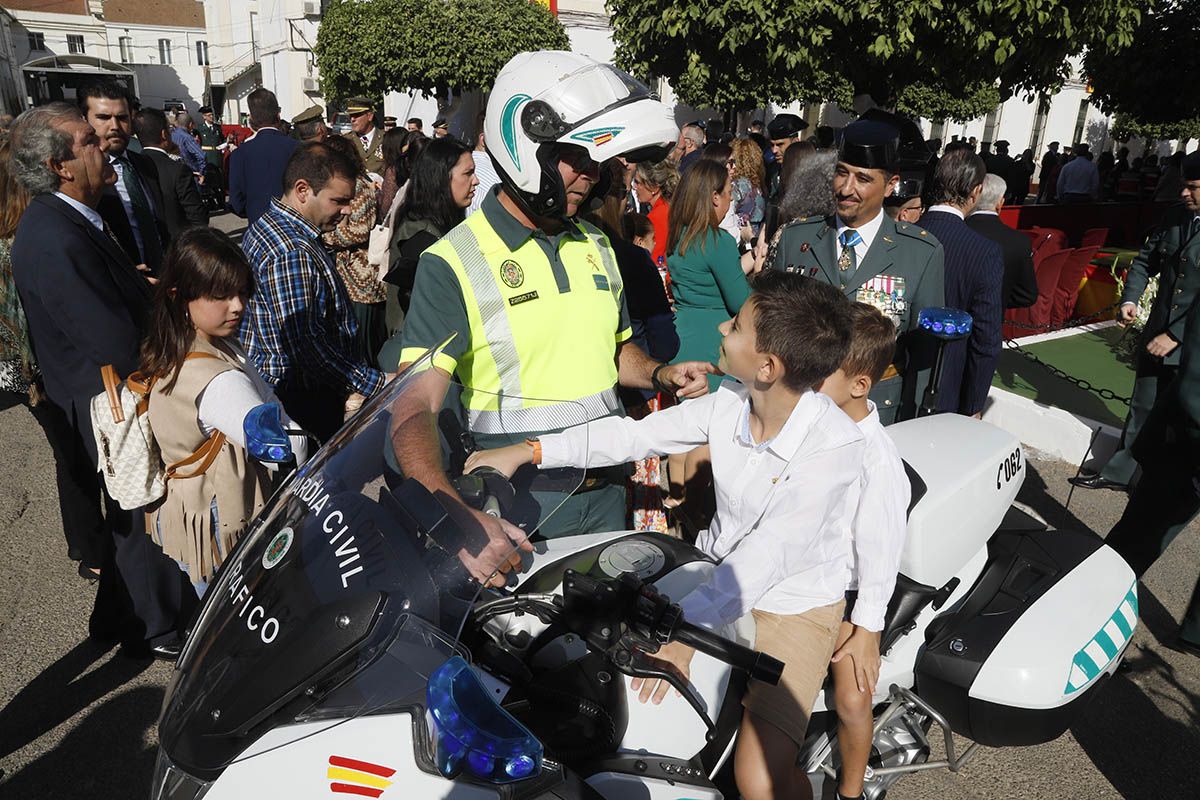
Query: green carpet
(1094, 357)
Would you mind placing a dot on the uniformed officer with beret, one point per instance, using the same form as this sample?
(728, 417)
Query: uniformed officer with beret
(309, 124)
(364, 133)
(895, 266)
(784, 132)
(1172, 253)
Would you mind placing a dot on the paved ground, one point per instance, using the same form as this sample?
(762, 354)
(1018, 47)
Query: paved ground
(77, 721)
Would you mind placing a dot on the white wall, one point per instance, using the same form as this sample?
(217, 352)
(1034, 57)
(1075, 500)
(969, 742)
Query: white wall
(55, 28)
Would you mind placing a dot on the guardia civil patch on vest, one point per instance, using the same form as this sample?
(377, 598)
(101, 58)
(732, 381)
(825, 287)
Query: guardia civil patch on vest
(512, 274)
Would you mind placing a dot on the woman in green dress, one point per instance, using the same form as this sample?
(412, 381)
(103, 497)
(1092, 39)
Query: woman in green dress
(707, 273)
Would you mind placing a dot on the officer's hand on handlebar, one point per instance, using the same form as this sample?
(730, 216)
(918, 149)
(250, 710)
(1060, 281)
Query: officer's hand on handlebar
(505, 460)
(689, 378)
(498, 552)
(673, 657)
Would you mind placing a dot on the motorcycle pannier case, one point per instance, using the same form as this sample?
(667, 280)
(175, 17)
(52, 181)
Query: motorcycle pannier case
(1045, 624)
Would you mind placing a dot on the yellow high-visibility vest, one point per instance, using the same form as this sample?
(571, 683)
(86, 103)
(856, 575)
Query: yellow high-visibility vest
(540, 356)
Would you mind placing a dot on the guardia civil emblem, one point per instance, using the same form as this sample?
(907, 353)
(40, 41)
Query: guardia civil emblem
(512, 274)
(278, 548)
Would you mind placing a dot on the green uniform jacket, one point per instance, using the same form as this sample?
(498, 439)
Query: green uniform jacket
(372, 153)
(902, 273)
(1173, 254)
(210, 140)
(1171, 434)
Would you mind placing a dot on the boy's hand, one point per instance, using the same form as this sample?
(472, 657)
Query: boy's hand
(672, 657)
(862, 648)
(503, 459)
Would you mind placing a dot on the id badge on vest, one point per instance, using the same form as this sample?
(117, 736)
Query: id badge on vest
(886, 293)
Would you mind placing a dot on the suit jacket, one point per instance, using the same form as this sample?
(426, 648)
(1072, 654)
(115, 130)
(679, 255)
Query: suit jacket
(86, 305)
(974, 281)
(901, 273)
(181, 205)
(372, 152)
(112, 210)
(1020, 284)
(1170, 437)
(1172, 253)
(256, 172)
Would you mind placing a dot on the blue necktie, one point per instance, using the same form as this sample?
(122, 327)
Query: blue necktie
(849, 239)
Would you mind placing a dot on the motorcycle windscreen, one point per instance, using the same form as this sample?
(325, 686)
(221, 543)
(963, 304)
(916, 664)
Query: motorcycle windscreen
(352, 584)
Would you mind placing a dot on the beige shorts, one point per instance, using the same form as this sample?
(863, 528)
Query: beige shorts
(804, 643)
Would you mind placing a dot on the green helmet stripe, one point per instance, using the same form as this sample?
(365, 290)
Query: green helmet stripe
(508, 126)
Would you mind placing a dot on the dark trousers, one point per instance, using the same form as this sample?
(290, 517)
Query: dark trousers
(1161, 506)
(319, 411)
(79, 492)
(144, 597)
(1153, 377)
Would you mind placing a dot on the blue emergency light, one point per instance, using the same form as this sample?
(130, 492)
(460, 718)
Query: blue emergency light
(265, 439)
(945, 323)
(472, 732)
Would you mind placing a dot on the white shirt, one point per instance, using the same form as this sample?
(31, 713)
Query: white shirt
(171, 156)
(229, 397)
(731, 225)
(1081, 176)
(867, 231)
(880, 524)
(89, 213)
(782, 527)
(981, 213)
(946, 209)
(485, 170)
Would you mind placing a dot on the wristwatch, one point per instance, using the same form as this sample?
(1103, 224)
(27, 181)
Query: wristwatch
(536, 446)
(658, 385)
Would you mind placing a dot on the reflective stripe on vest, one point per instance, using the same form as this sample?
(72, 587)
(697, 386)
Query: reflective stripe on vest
(538, 359)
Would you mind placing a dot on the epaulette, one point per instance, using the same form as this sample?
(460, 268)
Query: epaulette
(916, 232)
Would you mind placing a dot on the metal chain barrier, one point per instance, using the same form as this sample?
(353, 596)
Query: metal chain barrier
(1099, 391)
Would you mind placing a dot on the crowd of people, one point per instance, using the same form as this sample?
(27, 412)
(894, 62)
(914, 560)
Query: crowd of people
(632, 288)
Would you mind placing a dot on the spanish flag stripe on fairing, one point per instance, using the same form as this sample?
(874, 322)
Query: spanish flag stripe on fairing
(337, 773)
(364, 766)
(361, 791)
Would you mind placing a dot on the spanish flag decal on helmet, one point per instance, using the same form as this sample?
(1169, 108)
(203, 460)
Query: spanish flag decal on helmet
(597, 136)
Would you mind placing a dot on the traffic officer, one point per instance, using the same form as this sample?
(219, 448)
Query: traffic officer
(1172, 253)
(532, 294)
(895, 266)
(364, 133)
(309, 124)
(1167, 497)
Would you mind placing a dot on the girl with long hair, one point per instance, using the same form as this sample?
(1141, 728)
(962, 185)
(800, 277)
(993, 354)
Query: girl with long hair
(440, 188)
(748, 194)
(203, 388)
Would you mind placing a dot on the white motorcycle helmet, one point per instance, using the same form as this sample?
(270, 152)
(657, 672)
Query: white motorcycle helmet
(541, 101)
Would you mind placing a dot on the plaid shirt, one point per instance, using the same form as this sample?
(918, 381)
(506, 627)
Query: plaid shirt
(299, 324)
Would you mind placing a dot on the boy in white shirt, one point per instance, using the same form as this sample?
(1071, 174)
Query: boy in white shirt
(785, 462)
(878, 529)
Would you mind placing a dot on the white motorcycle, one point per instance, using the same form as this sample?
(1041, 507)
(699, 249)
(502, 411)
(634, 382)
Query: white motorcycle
(343, 651)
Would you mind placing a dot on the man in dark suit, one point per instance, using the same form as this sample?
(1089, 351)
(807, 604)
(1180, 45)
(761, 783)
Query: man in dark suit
(1046, 186)
(1172, 254)
(181, 204)
(1020, 285)
(87, 306)
(974, 281)
(256, 168)
(132, 206)
(1167, 497)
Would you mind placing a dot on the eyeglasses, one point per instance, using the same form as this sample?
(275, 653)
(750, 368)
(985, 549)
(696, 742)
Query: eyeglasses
(578, 159)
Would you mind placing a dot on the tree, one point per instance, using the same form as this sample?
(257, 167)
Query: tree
(1125, 128)
(1151, 82)
(937, 58)
(371, 47)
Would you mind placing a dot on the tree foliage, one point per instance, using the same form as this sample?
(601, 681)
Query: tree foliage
(1152, 80)
(371, 47)
(937, 58)
(1125, 128)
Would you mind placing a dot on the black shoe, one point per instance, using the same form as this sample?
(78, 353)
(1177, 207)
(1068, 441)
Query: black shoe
(1182, 645)
(1094, 480)
(87, 574)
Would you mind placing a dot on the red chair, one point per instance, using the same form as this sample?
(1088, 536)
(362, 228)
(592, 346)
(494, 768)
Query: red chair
(1067, 292)
(1094, 237)
(1047, 273)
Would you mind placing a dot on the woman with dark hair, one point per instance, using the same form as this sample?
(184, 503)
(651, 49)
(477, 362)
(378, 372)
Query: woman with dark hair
(203, 386)
(707, 274)
(348, 242)
(440, 188)
(395, 143)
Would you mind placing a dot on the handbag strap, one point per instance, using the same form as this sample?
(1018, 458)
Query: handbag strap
(108, 375)
(141, 384)
(204, 456)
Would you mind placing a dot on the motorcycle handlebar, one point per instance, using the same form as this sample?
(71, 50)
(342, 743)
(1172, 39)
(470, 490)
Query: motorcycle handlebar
(759, 666)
